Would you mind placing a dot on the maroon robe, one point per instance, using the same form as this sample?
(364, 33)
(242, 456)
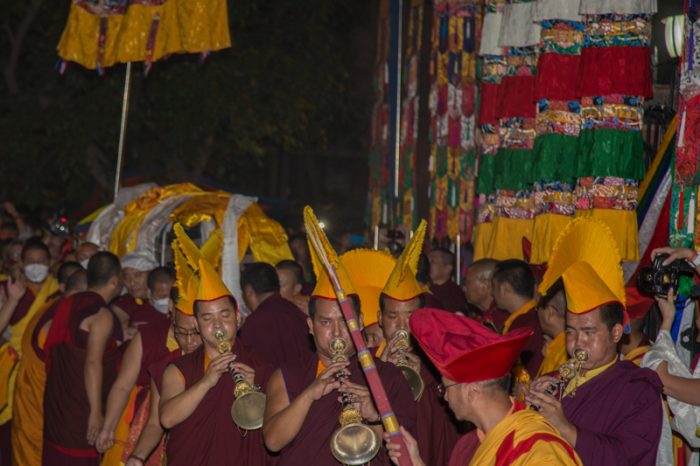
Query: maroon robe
(496, 317)
(436, 429)
(277, 331)
(25, 302)
(618, 416)
(154, 344)
(450, 295)
(209, 436)
(311, 446)
(144, 312)
(531, 355)
(463, 451)
(432, 302)
(66, 407)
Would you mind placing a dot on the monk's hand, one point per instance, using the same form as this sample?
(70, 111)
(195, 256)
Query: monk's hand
(411, 444)
(549, 407)
(15, 289)
(133, 461)
(219, 365)
(105, 440)
(362, 400)
(326, 381)
(540, 384)
(246, 371)
(95, 422)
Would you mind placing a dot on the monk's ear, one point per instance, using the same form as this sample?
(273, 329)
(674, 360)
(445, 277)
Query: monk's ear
(617, 331)
(379, 319)
(310, 323)
(297, 289)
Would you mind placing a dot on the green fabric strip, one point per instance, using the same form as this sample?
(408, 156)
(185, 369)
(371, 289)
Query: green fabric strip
(513, 169)
(554, 157)
(611, 152)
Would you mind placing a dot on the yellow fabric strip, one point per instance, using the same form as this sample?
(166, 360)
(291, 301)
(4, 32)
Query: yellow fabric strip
(637, 354)
(555, 355)
(522, 311)
(523, 425)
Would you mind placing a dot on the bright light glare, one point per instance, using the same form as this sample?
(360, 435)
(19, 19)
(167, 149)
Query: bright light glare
(322, 225)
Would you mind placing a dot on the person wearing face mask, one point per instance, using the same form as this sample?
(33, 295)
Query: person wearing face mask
(132, 304)
(28, 402)
(26, 295)
(160, 282)
(84, 252)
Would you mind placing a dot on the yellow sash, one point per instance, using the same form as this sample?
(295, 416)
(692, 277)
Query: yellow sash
(524, 438)
(637, 354)
(579, 380)
(28, 401)
(522, 311)
(49, 287)
(555, 355)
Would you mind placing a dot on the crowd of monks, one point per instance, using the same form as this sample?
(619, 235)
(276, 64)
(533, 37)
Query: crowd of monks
(119, 361)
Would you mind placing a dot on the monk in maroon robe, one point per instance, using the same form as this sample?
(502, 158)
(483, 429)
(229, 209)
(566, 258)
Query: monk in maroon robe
(437, 432)
(303, 408)
(197, 389)
(612, 412)
(276, 330)
(81, 350)
(446, 291)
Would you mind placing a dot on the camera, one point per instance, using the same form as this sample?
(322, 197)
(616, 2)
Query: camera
(659, 279)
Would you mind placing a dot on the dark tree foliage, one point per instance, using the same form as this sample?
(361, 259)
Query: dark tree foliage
(283, 88)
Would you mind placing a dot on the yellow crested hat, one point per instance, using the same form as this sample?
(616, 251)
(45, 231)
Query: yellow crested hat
(324, 287)
(590, 240)
(402, 284)
(211, 287)
(369, 270)
(585, 289)
(185, 278)
(186, 257)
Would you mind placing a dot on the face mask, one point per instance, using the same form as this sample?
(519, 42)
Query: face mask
(36, 273)
(161, 305)
(84, 263)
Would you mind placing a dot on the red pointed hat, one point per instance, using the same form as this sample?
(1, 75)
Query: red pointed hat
(464, 350)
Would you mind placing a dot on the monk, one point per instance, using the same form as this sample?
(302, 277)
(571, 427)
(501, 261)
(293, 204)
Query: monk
(197, 389)
(135, 269)
(303, 401)
(401, 296)
(84, 251)
(444, 289)
(611, 411)
(28, 407)
(514, 291)
(153, 343)
(276, 330)
(291, 276)
(302, 407)
(26, 295)
(478, 289)
(81, 358)
(551, 312)
(475, 365)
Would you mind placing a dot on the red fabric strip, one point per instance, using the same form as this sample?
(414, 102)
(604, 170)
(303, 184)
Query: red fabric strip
(516, 97)
(557, 76)
(488, 104)
(615, 70)
(507, 453)
(76, 453)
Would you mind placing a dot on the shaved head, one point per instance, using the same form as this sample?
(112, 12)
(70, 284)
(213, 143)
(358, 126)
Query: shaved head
(483, 268)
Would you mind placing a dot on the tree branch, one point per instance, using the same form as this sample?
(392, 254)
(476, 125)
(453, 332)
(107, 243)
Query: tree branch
(17, 41)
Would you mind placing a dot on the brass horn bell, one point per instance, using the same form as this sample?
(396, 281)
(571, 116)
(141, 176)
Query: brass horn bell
(353, 443)
(248, 408)
(415, 381)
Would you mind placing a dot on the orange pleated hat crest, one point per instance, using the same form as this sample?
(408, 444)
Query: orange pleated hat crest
(324, 287)
(402, 284)
(464, 350)
(585, 290)
(368, 270)
(211, 286)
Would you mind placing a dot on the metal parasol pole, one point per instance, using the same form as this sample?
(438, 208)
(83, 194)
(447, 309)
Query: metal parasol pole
(122, 129)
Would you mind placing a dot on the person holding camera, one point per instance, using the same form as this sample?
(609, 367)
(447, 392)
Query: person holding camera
(681, 381)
